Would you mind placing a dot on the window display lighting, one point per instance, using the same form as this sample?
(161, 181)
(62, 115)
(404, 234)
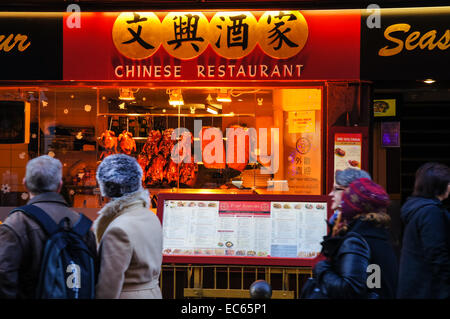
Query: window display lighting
(224, 95)
(175, 97)
(126, 94)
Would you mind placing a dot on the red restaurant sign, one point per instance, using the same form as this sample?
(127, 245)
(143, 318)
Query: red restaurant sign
(257, 45)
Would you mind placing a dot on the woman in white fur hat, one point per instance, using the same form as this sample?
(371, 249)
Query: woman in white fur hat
(129, 235)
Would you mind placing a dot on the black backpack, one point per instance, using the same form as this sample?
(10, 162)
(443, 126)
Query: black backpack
(67, 268)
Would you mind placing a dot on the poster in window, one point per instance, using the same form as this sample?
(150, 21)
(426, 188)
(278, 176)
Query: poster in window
(347, 150)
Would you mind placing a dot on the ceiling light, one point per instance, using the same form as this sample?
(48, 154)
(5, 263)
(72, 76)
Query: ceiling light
(429, 81)
(224, 95)
(175, 97)
(126, 94)
(211, 109)
(122, 106)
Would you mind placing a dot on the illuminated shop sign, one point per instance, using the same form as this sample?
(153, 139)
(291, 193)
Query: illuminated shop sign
(30, 46)
(223, 46)
(232, 35)
(409, 44)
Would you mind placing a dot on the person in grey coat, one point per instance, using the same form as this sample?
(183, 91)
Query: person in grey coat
(128, 233)
(22, 239)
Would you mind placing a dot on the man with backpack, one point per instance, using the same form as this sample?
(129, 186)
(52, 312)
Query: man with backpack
(46, 249)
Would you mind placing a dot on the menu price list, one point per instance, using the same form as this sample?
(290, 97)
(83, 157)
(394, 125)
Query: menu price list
(243, 228)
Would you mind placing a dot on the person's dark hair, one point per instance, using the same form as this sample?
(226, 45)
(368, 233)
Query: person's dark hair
(432, 180)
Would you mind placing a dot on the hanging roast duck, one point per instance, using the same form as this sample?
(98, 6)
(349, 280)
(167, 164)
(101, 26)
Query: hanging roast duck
(108, 140)
(126, 142)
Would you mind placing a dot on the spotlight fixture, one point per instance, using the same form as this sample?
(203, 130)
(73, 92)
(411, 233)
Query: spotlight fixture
(429, 81)
(175, 97)
(192, 108)
(122, 106)
(211, 109)
(126, 94)
(224, 95)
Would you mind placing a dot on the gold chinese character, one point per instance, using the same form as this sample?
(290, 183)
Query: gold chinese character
(137, 35)
(185, 34)
(282, 34)
(233, 34)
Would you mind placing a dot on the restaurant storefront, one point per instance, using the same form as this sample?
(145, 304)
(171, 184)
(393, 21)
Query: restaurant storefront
(229, 110)
(243, 116)
(107, 85)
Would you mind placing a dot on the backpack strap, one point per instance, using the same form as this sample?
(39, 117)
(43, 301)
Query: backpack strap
(82, 226)
(40, 216)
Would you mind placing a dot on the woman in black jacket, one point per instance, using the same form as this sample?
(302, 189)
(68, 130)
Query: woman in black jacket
(425, 256)
(360, 262)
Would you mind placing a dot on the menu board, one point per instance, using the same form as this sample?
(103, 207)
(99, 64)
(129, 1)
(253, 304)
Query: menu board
(243, 228)
(347, 150)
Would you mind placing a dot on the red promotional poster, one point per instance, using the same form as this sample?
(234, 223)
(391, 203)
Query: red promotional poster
(256, 45)
(347, 150)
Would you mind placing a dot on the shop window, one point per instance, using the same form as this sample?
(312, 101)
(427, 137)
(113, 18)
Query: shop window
(67, 119)
(257, 139)
(18, 142)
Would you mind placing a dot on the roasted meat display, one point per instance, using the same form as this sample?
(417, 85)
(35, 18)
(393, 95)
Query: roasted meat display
(157, 170)
(167, 142)
(126, 142)
(151, 145)
(143, 161)
(188, 173)
(163, 165)
(108, 140)
(157, 164)
(172, 172)
(186, 140)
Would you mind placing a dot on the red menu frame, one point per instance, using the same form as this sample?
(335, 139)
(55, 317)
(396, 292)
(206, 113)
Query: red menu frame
(240, 260)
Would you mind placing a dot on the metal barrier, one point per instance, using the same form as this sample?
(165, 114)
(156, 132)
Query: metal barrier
(229, 281)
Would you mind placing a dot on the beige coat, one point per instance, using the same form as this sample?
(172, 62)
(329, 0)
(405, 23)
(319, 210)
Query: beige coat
(129, 238)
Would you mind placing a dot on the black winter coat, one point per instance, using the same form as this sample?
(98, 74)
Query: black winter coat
(344, 274)
(425, 261)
